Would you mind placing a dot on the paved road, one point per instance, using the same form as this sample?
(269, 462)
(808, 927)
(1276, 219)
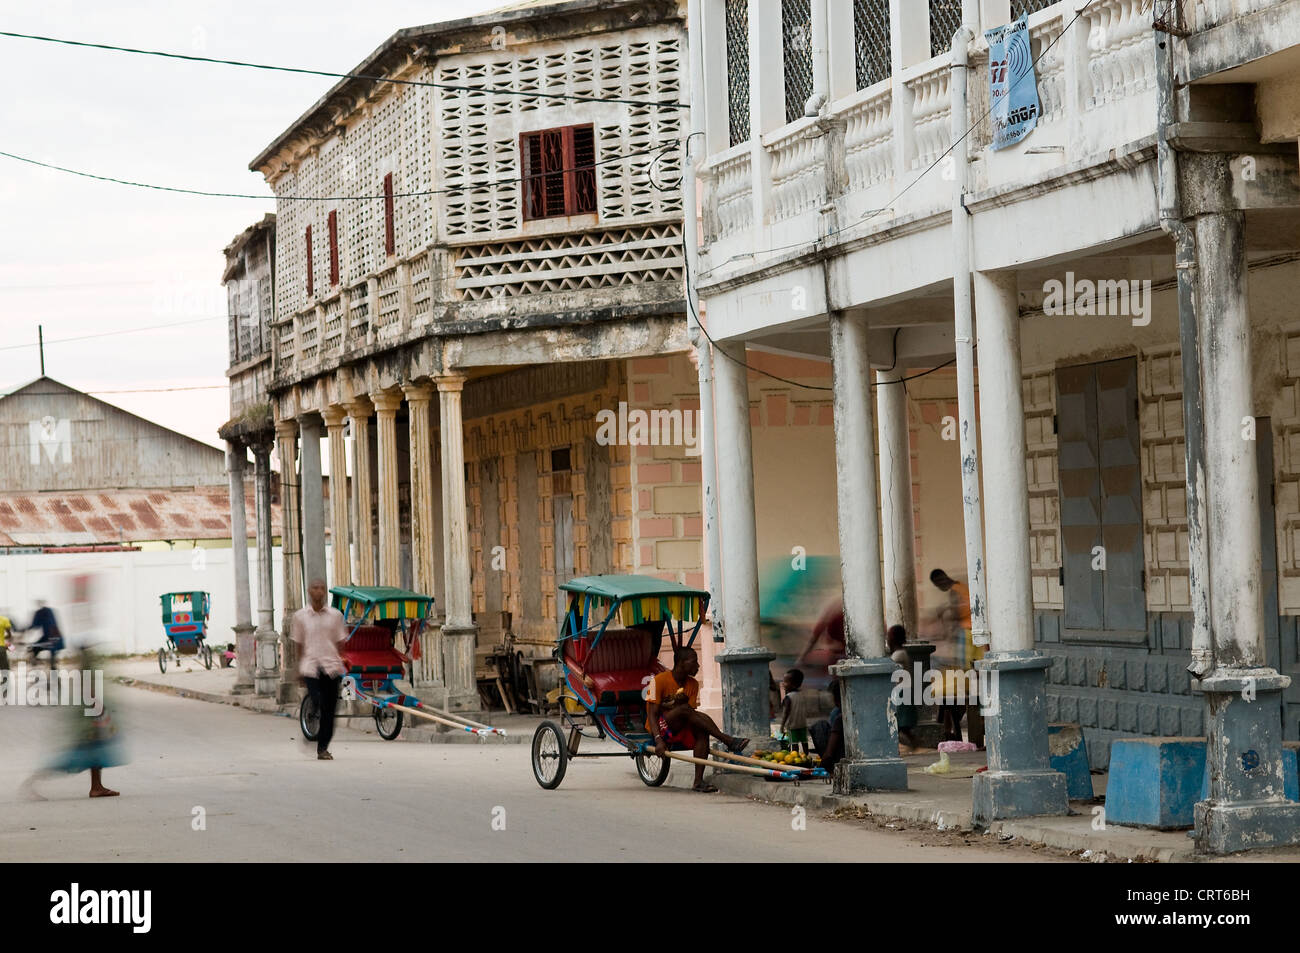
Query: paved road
(265, 797)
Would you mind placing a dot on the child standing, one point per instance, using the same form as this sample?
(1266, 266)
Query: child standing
(794, 710)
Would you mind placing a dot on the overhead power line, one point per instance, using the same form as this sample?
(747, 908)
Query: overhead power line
(484, 90)
(661, 148)
(117, 331)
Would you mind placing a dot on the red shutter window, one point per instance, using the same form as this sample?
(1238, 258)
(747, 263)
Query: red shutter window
(309, 270)
(334, 248)
(582, 180)
(559, 172)
(390, 238)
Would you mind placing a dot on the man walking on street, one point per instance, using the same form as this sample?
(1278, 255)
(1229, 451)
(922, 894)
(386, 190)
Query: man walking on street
(319, 630)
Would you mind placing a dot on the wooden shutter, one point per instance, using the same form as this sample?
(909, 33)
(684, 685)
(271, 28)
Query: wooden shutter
(1100, 474)
(334, 247)
(559, 172)
(390, 237)
(582, 180)
(309, 267)
(1079, 474)
(1121, 496)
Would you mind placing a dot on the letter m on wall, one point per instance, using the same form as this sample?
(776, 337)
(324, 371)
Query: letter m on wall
(54, 436)
(1100, 474)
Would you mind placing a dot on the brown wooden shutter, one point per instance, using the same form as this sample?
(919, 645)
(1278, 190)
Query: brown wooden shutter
(390, 237)
(309, 268)
(334, 247)
(582, 180)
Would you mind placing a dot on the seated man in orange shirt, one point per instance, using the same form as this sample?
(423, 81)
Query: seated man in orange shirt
(672, 699)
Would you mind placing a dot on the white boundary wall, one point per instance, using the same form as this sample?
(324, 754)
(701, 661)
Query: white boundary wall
(127, 613)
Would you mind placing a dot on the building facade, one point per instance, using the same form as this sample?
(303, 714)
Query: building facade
(477, 264)
(1115, 281)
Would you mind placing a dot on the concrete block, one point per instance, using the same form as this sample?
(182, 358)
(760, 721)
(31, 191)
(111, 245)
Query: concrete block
(1069, 755)
(1154, 782)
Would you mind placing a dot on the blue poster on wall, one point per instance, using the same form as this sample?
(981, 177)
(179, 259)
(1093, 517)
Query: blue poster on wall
(1013, 89)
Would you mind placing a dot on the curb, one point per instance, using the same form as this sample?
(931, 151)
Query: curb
(817, 795)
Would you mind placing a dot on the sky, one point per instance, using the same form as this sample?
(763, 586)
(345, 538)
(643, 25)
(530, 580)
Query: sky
(80, 257)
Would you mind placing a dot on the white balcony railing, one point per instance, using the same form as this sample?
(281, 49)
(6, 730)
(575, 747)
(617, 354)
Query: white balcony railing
(1096, 88)
(931, 111)
(869, 137)
(798, 181)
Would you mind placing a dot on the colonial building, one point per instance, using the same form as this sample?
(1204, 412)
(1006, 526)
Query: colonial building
(249, 277)
(1120, 275)
(477, 262)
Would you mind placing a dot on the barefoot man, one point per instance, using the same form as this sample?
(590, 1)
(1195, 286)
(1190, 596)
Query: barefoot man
(672, 719)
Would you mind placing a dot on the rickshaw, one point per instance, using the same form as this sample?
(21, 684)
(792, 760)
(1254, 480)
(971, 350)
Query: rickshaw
(608, 650)
(377, 616)
(185, 620)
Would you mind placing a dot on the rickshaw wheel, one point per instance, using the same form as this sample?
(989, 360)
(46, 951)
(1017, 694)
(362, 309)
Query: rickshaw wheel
(550, 755)
(309, 718)
(388, 723)
(162, 661)
(207, 657)
(652, 768)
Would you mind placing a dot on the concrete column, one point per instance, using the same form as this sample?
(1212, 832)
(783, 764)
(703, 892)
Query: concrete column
(1013, 676)
(1246, 807)
(340, 562)
(870, 727)
(266, 674)
(360, 410)
(459, 633)
(237, 455)
(897, 518)
(744, 661)
(286, 434)
(428, 672)
(390, 527)
(313, 500)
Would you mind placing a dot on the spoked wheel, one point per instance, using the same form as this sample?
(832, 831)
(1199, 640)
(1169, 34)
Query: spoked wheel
(652, 768)
(388, 723)
(550, 755)
(206, 654)
(162, 661)
(309, 718)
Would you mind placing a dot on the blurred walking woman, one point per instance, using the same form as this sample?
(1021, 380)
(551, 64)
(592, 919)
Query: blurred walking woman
(92, 744)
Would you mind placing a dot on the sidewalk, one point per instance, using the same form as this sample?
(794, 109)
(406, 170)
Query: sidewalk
(943, 802)
(192, 680)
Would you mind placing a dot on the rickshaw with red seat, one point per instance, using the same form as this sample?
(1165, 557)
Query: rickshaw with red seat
(379, 618)
(608, 650)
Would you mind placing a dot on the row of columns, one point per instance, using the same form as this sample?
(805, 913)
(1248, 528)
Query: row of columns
(439, 548)
(1246, 805)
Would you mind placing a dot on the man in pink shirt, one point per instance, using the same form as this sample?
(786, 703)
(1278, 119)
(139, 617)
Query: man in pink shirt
(319, 630)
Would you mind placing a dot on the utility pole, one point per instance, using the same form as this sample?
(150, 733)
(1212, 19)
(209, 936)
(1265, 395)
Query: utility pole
(40, 341)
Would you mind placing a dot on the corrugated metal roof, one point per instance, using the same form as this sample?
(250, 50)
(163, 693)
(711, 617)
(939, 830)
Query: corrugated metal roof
(81, 518)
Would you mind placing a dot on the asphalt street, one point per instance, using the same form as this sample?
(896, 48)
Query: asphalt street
(210, 782)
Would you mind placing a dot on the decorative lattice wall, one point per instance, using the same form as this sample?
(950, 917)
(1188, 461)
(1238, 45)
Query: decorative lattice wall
(638, 163)
(601, 259)
(392, 135)
(479, 129)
